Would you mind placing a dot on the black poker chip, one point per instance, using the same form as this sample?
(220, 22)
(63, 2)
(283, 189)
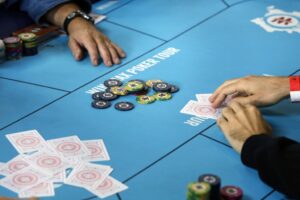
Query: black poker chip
(105, 96)
(162, 87)
(124, 106)
(112, 83)
(174, 89)
(99, 104)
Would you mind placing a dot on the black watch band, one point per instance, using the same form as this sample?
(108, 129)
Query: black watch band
(73, 15)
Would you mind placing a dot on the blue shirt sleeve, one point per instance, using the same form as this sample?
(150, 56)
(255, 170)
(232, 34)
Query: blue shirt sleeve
(38, 8)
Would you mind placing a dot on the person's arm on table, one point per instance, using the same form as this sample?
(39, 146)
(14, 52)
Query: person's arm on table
(82, 33)
(255, 90)
(277, 160)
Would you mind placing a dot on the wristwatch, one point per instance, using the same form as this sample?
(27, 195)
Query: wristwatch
(73, 15)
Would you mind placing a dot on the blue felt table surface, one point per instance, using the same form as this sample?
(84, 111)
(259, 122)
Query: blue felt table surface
(153, 149)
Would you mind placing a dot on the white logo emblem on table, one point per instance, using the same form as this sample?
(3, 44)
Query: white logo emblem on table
(279, 20)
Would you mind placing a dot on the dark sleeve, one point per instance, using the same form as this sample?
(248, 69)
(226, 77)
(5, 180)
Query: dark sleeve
(277, 161)
(38, 8)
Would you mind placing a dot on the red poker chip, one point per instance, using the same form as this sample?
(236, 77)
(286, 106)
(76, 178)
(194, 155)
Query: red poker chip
(231, 192)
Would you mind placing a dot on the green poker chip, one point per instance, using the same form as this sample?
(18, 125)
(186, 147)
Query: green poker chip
(145, 99)
(134, 86)
(163, 96)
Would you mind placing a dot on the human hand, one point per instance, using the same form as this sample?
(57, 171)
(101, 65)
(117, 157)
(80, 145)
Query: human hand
(238, 122)
(5, 198)
(83, 34)
(255, 90)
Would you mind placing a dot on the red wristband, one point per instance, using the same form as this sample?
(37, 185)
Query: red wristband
(295, 88)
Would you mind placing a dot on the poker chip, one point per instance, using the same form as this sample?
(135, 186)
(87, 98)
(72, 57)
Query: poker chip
(13, 48)
(231, 193)
(161, 87)
(134, 86)
(215, 183)
(99, 104)
(163, 96)
(124, 106)
(199, 190)
(174, 89)
(145, 99)
(112, 83)
(29, 43)
(150, 83)
(121, 91)
(105, 96)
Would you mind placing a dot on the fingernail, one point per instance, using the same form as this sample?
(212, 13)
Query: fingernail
(109, 63)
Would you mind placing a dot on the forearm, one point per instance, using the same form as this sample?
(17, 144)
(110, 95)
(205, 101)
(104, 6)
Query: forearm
(57, 15)
(277, 161)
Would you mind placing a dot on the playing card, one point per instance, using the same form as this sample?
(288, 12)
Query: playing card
(48, 161)
(97, 151)
(16, 164)
(27, 141)
(59, 177)
(45, 189)
(1, 165)
(88, 175)
(108, 187)
(24, 179)
(200, 110)
(203, 98)
(69, 146)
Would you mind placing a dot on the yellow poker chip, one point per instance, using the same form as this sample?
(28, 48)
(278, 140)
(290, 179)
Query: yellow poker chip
(150, 83)
(121, 91)
(145, 99)
(27, 37)
(163, 96)
(199, 189)
(134, 86)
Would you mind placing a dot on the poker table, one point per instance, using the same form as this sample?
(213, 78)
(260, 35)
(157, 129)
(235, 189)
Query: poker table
(155, 149)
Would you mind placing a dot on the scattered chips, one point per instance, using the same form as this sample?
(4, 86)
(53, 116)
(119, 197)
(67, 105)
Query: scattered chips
(99, 104)
(112, 83)
(150, 83)
(124, 106)
(215, 183)
(161, 87)
(174, 89)
(163, 96)
(105, 96)
(121, 91)
(135, 87)
(145, 99)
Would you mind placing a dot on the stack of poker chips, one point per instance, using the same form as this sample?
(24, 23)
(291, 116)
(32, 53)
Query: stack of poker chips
(200, 191)
(114, 89)
(29, 44)
(2, 51)
(13, 48)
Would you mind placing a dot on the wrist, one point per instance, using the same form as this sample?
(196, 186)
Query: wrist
(74, 16)
(284, 83)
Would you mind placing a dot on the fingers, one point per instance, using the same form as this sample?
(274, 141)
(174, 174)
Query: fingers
(228, 114)
(221, 93)
(120, 51)
(113, 53)
(92, 50)
(75, 49)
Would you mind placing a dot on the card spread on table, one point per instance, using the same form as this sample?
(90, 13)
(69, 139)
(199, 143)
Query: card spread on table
(42, 163)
